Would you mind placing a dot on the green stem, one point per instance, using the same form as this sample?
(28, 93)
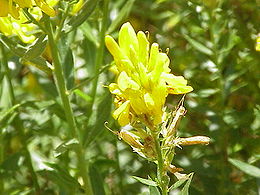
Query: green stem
(100, 50)
(223, 189)
(18, 125)
(64, 95)
(1, 159)
(160, 165)
(62, 22)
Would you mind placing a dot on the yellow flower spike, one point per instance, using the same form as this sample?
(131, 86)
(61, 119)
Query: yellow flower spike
(144, 78)
(12, 7)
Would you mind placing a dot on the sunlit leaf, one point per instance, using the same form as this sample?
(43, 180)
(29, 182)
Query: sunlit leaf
(145, 181)
(245, 167)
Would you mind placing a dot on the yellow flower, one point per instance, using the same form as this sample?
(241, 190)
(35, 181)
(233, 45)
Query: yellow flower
(10, 25)
(77, 7)
(257, 47)
(144, 79)
(12, 7)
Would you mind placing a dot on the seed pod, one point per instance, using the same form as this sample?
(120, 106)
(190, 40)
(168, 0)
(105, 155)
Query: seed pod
(130, 138)
(192, 140)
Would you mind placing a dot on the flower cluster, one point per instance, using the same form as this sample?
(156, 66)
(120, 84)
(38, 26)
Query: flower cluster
(21, 28)
(12, 7)
(144, 79)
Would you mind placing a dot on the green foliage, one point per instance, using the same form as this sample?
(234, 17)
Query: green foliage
(212, 43)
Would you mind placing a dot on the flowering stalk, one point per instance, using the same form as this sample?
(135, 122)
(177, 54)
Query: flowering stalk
(60, 84)
(143, 83)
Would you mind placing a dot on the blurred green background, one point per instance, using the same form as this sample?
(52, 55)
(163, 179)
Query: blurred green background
(212, 43)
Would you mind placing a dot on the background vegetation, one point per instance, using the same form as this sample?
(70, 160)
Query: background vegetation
(212, 43)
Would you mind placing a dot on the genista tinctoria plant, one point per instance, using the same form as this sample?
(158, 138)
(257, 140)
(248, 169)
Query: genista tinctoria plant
(143, 83)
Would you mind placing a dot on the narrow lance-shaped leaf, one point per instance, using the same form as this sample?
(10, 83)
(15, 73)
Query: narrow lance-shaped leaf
(145, 181)
(199, 46)
(245, 167)
(121, 16)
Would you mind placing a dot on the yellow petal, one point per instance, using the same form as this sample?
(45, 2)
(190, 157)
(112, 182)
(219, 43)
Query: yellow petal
(125, 82)
(127, 38)
(143, 48)
(122, 114)
(114, 89)
(4, 7)
(45, 8)
(177, 84)
(153, 56)
(5, 25)
(24, 3)
(149, 101)
(113, 47)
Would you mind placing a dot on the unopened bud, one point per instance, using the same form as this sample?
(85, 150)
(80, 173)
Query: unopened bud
(193, 140)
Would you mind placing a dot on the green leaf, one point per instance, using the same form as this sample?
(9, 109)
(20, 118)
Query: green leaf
(145, 181)
(123, 14)
(185, 189)
(178, 184)
(11, 163)
(102, 114)
(6, 114)
(88, 32)
(65, 146)
(60, 176)
(199, 46)
(96, 180)
(80, 93)
(36, 49)
(204, 93)
(87, 9)
(20, 51)
(68, 69)
(154, 190)
(245, 167)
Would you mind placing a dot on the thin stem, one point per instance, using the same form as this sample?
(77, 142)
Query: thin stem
(1, 159)
(60, 26)
(18, 124)
(223, 133)
(7, 73)
(63, 93)
(100, 49)
(30, 17)
(160, 165)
